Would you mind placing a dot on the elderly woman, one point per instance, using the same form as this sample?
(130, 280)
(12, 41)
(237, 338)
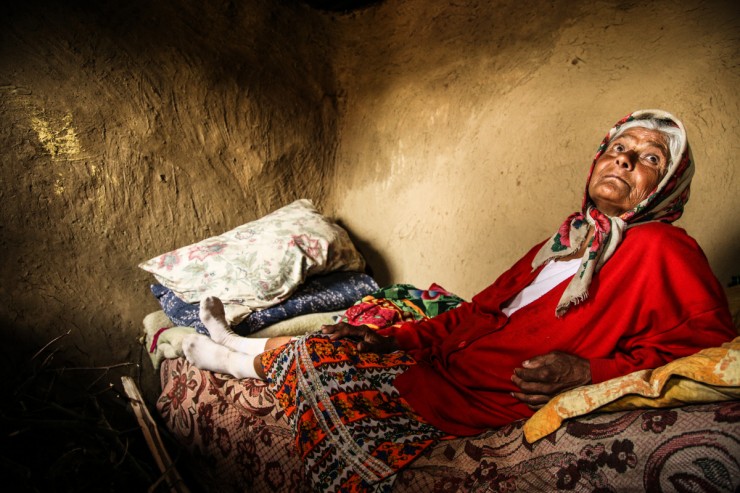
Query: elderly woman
(615, 290)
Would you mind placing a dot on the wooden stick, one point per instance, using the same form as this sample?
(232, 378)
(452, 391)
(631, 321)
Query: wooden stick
(153, 439)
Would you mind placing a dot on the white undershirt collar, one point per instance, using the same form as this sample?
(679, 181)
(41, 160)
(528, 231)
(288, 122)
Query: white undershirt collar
(552, 274)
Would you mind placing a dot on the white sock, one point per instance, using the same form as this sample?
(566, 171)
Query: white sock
(213, 317)
(205, 354)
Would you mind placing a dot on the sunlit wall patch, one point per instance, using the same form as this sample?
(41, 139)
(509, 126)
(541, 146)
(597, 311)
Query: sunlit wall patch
(57, 135)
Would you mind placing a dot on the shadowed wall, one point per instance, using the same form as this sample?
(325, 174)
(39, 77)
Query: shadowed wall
(131, 128)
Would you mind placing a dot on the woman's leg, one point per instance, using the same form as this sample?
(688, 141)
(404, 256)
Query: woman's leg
(274, 342)
(225, 351)
(205, 354)
(214, 318)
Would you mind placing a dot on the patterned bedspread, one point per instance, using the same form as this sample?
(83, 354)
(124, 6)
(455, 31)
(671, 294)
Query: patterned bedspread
(240, 436)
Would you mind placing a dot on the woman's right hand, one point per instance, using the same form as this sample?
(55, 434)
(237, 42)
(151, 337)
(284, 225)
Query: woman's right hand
(369, 341)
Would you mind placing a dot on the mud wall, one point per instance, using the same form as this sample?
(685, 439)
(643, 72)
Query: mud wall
(131, 128)
(448, 137)
(468, 127)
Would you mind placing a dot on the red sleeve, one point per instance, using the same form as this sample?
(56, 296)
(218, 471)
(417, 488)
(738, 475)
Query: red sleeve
(706, 329)
(680, 306)
(426, 333)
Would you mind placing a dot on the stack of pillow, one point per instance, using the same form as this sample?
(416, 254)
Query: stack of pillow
(293, 267)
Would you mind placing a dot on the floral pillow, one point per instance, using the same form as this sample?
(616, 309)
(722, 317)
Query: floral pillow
(258, 264)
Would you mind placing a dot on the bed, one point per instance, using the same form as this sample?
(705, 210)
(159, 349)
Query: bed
(676, 428)
(236, 433)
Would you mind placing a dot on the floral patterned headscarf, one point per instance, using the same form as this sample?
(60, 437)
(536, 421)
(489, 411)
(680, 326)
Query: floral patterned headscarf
(665, 204)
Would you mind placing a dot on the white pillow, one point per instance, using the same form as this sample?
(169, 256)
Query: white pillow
(258, 264)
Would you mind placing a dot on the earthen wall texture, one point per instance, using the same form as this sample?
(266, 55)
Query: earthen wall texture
(132, 128)
(467, 128)
(448, 137)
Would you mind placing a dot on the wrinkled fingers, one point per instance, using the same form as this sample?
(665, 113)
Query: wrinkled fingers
(533, 388)
(342, 330)
(534, 401)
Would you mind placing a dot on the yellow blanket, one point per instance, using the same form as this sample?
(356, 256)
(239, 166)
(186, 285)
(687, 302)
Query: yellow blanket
(710, 375)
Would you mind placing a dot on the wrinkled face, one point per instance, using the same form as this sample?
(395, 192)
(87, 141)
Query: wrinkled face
(628, 170)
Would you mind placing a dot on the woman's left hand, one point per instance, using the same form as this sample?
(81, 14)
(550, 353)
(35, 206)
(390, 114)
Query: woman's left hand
(544, 376)
(369, 341)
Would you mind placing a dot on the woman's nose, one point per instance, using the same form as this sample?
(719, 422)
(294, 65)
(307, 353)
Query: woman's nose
(626, 159)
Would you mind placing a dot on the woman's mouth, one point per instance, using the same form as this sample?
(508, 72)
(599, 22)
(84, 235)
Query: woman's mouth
(615, 177)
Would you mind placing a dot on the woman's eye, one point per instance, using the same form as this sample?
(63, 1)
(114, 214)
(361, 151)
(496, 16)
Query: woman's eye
(618, 147)
(652, 159)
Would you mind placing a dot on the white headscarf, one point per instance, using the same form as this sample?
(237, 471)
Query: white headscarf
(665, 203)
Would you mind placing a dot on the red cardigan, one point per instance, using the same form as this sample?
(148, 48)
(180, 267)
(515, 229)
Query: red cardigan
(655, 300)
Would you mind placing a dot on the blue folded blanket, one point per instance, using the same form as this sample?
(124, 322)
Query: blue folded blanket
(318, 294)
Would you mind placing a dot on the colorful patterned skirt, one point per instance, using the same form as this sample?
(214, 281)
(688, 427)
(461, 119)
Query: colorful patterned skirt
(353, 430)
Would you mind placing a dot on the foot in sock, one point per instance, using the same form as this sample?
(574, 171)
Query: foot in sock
(205, 354)
(213, 316)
